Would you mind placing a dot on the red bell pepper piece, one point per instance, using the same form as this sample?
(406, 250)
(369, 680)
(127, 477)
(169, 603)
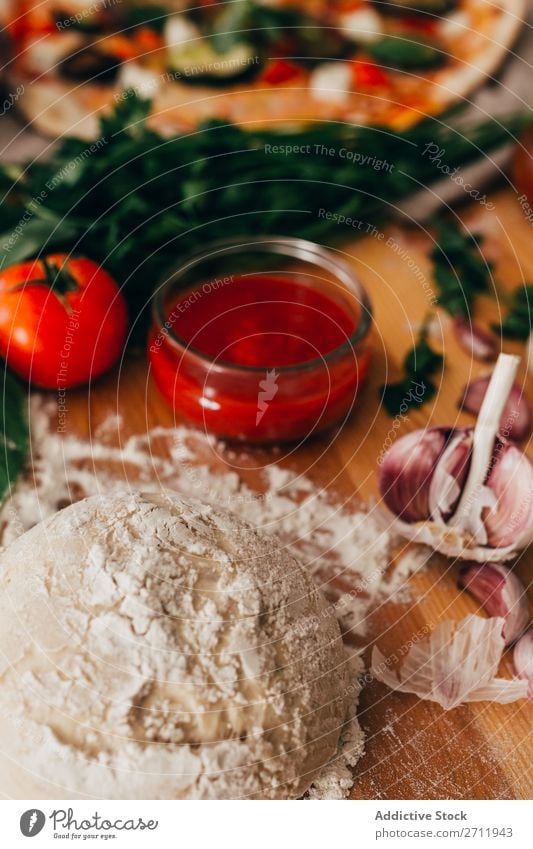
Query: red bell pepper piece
(280, 71)
(367, 74)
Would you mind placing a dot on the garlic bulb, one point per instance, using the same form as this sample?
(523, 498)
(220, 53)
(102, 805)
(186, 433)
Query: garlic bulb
(501, 594)
(467, 492)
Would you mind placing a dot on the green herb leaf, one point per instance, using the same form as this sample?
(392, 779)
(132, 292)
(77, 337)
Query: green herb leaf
(36, 235)
(128, 119)
(518, 323)
(153, 16)
(420, 365)
(422, 359)
(13, 433)
(460, 270)
(405, 51)
(401, 396)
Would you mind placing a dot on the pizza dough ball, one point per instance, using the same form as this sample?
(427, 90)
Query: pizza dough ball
(154, 647)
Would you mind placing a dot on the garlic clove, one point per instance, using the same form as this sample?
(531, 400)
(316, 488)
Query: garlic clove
(510, 520)
(476, 341)
(405, 474)
(516, 421)
(450, 474)
(500, 593)
(523, 659)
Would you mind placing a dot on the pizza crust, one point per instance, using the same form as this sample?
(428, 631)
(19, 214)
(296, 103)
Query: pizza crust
(461, 82)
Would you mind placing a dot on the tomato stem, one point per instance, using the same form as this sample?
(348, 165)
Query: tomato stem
(57, 278)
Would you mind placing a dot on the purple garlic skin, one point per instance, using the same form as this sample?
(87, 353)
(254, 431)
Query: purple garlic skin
(523, 659)
(425, 471)
(476, 341)
(405, 475)
(500, 593)
(423, 474)
(510, 520)
(516, 421)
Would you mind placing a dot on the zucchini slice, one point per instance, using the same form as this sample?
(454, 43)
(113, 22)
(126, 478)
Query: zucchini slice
(198, 62)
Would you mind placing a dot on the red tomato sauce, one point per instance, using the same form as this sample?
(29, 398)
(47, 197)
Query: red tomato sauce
(253, 358)
(264, 322)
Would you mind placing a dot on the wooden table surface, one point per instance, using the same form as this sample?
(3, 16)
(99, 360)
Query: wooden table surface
(414, 749)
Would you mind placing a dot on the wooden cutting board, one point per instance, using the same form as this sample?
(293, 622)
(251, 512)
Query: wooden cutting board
(414, 749)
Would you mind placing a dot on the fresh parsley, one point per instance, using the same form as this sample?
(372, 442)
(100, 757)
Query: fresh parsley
(459, 269)
(461, 273)
(518, 323)
(416, 387)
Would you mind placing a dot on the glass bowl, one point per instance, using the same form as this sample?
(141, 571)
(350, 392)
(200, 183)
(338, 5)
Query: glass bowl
(264, 402)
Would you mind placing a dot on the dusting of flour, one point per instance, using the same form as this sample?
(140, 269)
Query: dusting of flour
(348, 551)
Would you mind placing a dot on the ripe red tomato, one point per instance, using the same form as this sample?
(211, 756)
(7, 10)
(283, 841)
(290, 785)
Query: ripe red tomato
(62, 321)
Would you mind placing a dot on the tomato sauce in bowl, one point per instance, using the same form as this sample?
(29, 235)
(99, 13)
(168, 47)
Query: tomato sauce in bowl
(262, 341)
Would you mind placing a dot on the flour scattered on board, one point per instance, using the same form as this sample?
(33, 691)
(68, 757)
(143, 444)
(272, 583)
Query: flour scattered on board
(335, 542)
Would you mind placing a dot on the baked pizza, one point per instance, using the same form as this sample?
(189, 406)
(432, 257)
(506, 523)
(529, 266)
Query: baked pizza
(253, 62)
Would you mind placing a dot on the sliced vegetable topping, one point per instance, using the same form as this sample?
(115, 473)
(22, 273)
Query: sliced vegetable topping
(196, 59)
(332, 81)
(199, 62)
(406, 53)
(363, 26)
(280, 71)
(367, 74)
